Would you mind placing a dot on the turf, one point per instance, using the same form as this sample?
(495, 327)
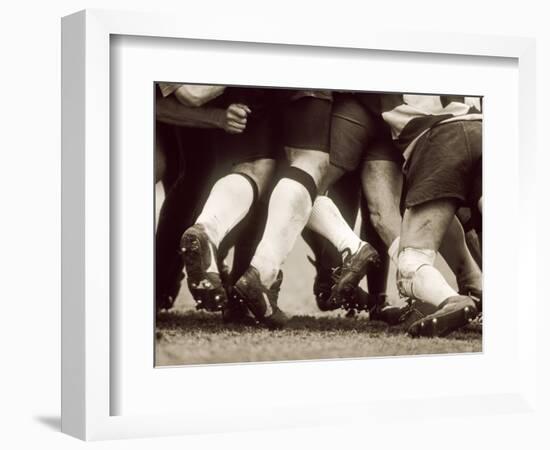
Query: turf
(188, 337)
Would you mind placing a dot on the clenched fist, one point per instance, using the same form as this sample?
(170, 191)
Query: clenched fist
(236, 116)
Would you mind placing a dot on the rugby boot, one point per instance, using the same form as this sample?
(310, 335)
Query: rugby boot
(475, 293)
(260, 300)
(352, 270)
(322, 286)
(404, 313)
(166, 300)
(361, 300)
(205, 286)
(454, 313)
(236, 312)
(391, 314)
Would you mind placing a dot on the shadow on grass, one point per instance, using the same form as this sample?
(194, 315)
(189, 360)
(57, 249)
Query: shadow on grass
(193, 321)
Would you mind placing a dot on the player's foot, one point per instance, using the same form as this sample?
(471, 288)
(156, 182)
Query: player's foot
(363, 301)
(236, 312)
(391, 314)
(167, 290)
(261, 301)
(166, 300)
(351, 272)
(475, 293)
(452, 314)
(404, 313)
(205, 285)
(322, 286)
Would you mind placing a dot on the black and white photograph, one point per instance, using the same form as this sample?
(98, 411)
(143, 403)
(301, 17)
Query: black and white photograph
(300, 224)
(250, 224)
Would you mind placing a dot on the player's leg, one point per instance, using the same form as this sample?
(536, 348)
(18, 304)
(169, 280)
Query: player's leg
(290, 206)
(356, 255)
(244, 239)
(160, 160)
(377, 276)
(438, 178)
(170, 157)
(347, 140)
(382, 181)
(382, 186)
(456, 253)
(232, 196)
(352, 128)
(344, 192)
(476, 204)
(471, 223)
(422, 232)
(179, 210)
(229, 201)
(455, 248)
(306, 123)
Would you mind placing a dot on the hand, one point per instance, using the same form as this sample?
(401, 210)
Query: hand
(235, 118)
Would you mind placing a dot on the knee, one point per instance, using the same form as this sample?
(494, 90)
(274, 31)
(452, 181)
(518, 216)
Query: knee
(409, 261)
(260, 172)
(314, 163)
(322, 178)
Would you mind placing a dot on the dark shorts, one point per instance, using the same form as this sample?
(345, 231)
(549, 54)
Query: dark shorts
(306, 123)
(262, 137)
(280, 118)
(446, 163)
(357, 135)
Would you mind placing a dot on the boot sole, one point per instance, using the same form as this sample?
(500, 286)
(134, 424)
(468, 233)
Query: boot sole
(206, 287)
(442, 323)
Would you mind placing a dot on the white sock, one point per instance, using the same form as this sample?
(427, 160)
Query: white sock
(327, 220)
(229, 201)
(418, 278)
(393, 251)
(429, 285)
(288, 212)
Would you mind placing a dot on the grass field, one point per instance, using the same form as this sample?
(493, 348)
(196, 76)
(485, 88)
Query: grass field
(184, 336)
(201, 338)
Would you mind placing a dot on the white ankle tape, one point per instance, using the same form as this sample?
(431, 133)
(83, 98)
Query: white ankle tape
(409, 261)
(393, 251)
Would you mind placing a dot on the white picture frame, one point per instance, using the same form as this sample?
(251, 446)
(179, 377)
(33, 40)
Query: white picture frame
(87, 323)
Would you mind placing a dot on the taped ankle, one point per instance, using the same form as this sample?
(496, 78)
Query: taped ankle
(410, 260)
